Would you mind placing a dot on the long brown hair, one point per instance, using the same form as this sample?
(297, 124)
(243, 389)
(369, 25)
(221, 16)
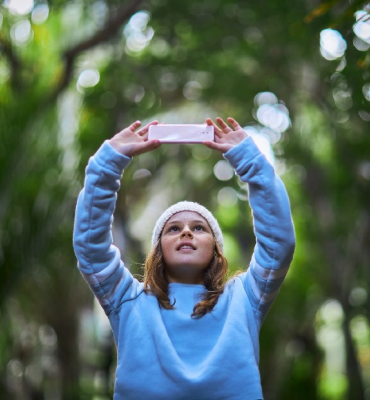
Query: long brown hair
(214, 279)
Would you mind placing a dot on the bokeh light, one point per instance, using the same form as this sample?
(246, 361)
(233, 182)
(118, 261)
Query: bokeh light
(331, 312)
(274, 117)
(201, 153)
(272, 114)
(192, 90)
(21, 32)
(40, 14)
(139, 20)
(168, 80)
(141, 173)
(227, 197)
(134, 92)
(88, 78)
(265, 98)
(159, 48)
(358, 296)
(4, 72)
(362, 27)
(15, 368)
(223, 171)
(19, 7)
(363, 167)
(47, 336)
(330, 337)
(360, 44)
(366, 91)
(137, 33)
(343, 99)
(100, 12)
(332, 44)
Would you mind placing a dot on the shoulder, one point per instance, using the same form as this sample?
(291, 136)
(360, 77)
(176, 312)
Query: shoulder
(236, 279)
(235, 283)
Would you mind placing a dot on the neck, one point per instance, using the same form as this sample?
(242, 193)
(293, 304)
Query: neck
(190, 280)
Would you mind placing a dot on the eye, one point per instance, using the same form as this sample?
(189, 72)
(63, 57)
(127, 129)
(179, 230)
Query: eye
(199, 228)
(173, 228)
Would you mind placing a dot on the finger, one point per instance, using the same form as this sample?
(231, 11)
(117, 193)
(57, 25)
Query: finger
(149, 145)
(234, 123)
(223, 125)
(217, 130)
(145, 129)
(152, 144)
(134, 126)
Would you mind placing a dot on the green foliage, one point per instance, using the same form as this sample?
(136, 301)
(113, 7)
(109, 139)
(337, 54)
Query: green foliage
(180, 62)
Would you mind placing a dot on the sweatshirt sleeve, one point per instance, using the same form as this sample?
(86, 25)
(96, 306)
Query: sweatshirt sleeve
(98, 260)
(272, 224)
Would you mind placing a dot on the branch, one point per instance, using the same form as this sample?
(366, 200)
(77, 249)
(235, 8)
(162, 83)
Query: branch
(109, 30)
(15, 64)
(322, 9)
(327, 6)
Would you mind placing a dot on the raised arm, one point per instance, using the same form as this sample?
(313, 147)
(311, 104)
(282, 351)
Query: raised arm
(98, 260)
(273, 226)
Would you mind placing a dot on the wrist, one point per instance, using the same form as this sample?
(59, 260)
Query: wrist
(119, 147)
(109, 157)
(245, 151)
(230, 146)
(115, 144)
(227, 148)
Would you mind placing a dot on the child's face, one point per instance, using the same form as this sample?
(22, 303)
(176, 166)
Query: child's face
(187, 245)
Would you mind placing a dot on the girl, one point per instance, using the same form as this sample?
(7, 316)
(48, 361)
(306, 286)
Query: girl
(184, 333)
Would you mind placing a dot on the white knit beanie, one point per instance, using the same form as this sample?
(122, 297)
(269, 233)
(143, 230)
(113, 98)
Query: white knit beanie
(188, 206)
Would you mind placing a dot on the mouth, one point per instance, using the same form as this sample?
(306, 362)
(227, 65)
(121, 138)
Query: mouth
(185, 246)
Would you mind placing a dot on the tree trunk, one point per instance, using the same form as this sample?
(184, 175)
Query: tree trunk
(356, 389)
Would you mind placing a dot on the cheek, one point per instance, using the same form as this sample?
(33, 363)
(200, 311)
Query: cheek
(165, 249)
(208, 250)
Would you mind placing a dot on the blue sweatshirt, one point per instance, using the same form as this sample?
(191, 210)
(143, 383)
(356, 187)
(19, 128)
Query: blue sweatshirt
(166, 354)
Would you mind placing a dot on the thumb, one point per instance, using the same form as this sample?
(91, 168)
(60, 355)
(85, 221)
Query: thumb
(149, 145)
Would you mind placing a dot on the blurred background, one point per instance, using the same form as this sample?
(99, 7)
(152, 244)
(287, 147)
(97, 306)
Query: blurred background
(294, 73)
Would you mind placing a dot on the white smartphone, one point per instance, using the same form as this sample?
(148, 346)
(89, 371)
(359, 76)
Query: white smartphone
(181, 133)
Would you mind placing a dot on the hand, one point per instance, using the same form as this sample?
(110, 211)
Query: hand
(131, 143)
(225, 137)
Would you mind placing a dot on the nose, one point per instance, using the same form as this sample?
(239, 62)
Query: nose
(186, 232)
